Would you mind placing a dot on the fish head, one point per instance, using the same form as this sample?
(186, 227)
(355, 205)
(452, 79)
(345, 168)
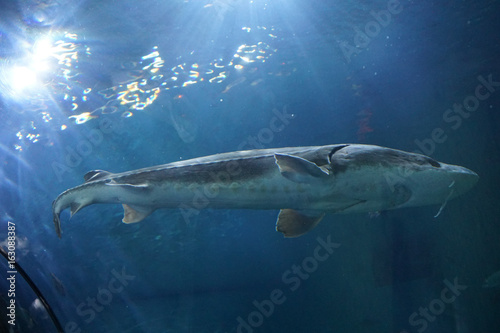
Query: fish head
(416, 179)
(438, 182)
(432, 182)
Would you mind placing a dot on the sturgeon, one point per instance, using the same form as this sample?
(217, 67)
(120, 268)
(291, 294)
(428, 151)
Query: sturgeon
(304, 183)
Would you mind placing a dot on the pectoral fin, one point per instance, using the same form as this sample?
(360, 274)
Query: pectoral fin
(135, 214)
(293, 223)
(299, 170)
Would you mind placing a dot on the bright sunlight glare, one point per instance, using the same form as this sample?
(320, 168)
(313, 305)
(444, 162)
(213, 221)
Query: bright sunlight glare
(42, 50)
(22, 77)
(27, 71)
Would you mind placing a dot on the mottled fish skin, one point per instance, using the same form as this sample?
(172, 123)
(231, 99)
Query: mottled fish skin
(342, 178)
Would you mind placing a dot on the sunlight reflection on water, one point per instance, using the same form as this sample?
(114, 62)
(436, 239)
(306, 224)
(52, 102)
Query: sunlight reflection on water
(56, 87)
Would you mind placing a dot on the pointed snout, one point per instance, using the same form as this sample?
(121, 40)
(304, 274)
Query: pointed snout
(464, 179)
(438, 184)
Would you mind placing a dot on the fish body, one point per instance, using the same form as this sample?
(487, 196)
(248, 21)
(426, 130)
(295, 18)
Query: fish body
(304, 183)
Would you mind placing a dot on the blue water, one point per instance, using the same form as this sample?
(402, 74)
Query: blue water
(121, 85)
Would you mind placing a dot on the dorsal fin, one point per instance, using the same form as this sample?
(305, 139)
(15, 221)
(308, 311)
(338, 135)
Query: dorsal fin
(95, 175)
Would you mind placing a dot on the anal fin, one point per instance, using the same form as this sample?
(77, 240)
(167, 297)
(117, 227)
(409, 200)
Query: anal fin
(135, 214)
(76, 206)
(293, 223)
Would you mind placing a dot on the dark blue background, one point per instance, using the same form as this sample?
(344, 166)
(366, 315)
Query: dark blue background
(202, 275)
